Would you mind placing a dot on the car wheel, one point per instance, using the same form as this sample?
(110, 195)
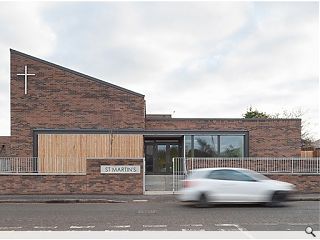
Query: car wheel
(203, 201)
(277, 198)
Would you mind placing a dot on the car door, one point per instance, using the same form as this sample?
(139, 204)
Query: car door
(220, 187)
(243, 187)
(228, 185)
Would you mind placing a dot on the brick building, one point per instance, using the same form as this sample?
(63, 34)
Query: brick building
(61, 113)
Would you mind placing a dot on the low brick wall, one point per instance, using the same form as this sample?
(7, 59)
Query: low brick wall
(42, 184)
(304, 183)
(93, 182)
(98, 183)
(5, 146)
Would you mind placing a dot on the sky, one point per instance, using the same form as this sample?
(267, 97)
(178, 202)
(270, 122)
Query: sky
(189, 59)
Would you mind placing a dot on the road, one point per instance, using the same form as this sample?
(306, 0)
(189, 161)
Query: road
(168, 215)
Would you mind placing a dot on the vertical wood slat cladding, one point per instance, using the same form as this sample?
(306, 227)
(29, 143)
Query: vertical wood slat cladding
(307, 154)
(68, 152)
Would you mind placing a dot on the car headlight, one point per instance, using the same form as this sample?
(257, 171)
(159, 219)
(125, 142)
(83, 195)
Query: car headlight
(292, 187)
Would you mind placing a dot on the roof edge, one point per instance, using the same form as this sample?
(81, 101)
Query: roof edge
(127, 130)
(76, 73)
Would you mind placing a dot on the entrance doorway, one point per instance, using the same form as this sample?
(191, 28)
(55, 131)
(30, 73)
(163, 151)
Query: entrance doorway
(159, 154)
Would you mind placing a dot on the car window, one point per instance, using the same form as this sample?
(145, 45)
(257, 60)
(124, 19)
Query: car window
(219, 175)
(255, 175)
(197, 174)
(239, 176)
(231, 175)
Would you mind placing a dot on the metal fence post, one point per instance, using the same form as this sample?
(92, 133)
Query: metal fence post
(180, 165)
(144, 176)
(173, 173)
(184, 166)
(191, 163)
(37, 164)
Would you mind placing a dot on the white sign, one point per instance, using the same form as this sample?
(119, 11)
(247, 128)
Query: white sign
(120, 169)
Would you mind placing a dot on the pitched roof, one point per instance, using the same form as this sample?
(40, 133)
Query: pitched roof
(76, 73)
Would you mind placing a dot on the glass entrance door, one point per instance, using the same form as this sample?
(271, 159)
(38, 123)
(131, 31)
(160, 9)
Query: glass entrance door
(149, 149)
(161, 158)
(159, 154)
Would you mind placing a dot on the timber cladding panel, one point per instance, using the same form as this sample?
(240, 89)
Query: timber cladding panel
(68, 152)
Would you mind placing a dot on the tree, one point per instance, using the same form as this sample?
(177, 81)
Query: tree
(255, 114)
(206, 150)
(231, 151)
(306, 138)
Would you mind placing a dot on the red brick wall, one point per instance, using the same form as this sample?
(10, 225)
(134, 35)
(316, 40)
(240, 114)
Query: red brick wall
(98, 183)
(61, 99)
(92, 183)
(304, 183)
(267, 137)
(4, 146)
(46, 184)
(43, 184)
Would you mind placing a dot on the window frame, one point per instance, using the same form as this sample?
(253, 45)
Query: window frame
(245, 146)
(242, 145)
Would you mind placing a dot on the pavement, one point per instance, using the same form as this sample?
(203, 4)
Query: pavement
(155, 196)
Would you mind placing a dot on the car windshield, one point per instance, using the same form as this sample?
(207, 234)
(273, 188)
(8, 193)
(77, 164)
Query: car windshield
(255, 175)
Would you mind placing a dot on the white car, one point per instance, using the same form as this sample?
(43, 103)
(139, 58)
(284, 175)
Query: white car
(232, 185)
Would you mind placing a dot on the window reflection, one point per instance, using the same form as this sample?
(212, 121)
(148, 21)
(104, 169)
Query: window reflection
(161, 158)
(205, 146)
(188, 146)
(231, 146)
(214, 145)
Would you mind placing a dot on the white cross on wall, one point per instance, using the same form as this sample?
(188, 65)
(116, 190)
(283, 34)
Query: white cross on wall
(25, 74)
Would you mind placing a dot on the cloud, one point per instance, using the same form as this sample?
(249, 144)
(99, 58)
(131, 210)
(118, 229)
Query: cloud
(21, 28)
(206, 59)
(271, 62)
(131, 42)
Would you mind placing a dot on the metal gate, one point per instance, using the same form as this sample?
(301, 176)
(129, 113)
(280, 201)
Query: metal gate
(179, 173)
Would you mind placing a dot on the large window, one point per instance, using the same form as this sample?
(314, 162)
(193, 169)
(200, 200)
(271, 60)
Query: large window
(231, 146)
(205, 146)
(218, 145)
(188, 146)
